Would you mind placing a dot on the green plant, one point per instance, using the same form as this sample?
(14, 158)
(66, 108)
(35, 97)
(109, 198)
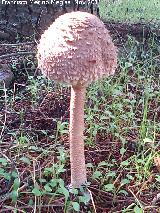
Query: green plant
(133, 11)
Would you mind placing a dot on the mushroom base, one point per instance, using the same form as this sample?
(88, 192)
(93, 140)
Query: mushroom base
(77, 157)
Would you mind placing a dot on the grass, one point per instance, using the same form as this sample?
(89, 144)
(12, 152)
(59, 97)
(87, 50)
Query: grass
(130, 10)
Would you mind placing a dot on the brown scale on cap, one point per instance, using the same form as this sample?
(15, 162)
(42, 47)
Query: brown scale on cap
(77, 49)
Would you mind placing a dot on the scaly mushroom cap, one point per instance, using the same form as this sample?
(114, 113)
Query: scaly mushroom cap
(77, 49)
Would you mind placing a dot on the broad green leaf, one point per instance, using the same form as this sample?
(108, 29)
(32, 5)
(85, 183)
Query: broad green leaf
(74, 191)
(103, 163)
(3, 161)
(130, 177)
(16, 184)
(137, 210)
(96, 175)
(60, 169)
(61, 182)
(1, 171)
(14, 174)
(30, 202)
(42, 180)
(109, 187)
(25, 160)
(53, 182)
(48, 188)
(76, 206)
(14, 196)
(36, 192)
(64, 191)
(128, 64)
(48, 171)
(122, 151)
(125, 163)
(125, 181)
(85, 198)
(111, 174)
(7, 176)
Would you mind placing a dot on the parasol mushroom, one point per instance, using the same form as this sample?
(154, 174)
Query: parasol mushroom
(77, 49)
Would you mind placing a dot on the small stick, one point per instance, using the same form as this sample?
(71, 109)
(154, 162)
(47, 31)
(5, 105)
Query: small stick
(16, 54)
(140, 204)
(94, 207)
(18, 44)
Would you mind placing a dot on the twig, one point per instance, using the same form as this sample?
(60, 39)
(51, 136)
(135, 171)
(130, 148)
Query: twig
(16, 54)
(12, 208)
(151, 207)
(107, 194)
(140, 204)
(18, 44)
(94, 207)
(28, 207)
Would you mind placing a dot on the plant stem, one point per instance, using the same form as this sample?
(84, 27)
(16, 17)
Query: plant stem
(77, 157)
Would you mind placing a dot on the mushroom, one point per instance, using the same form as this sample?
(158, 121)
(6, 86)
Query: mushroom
(77, 49)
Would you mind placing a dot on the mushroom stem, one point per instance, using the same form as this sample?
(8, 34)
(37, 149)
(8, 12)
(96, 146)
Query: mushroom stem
(77, 157)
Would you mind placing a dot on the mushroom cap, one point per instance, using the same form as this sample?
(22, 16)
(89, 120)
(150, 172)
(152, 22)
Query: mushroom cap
(77, 49)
